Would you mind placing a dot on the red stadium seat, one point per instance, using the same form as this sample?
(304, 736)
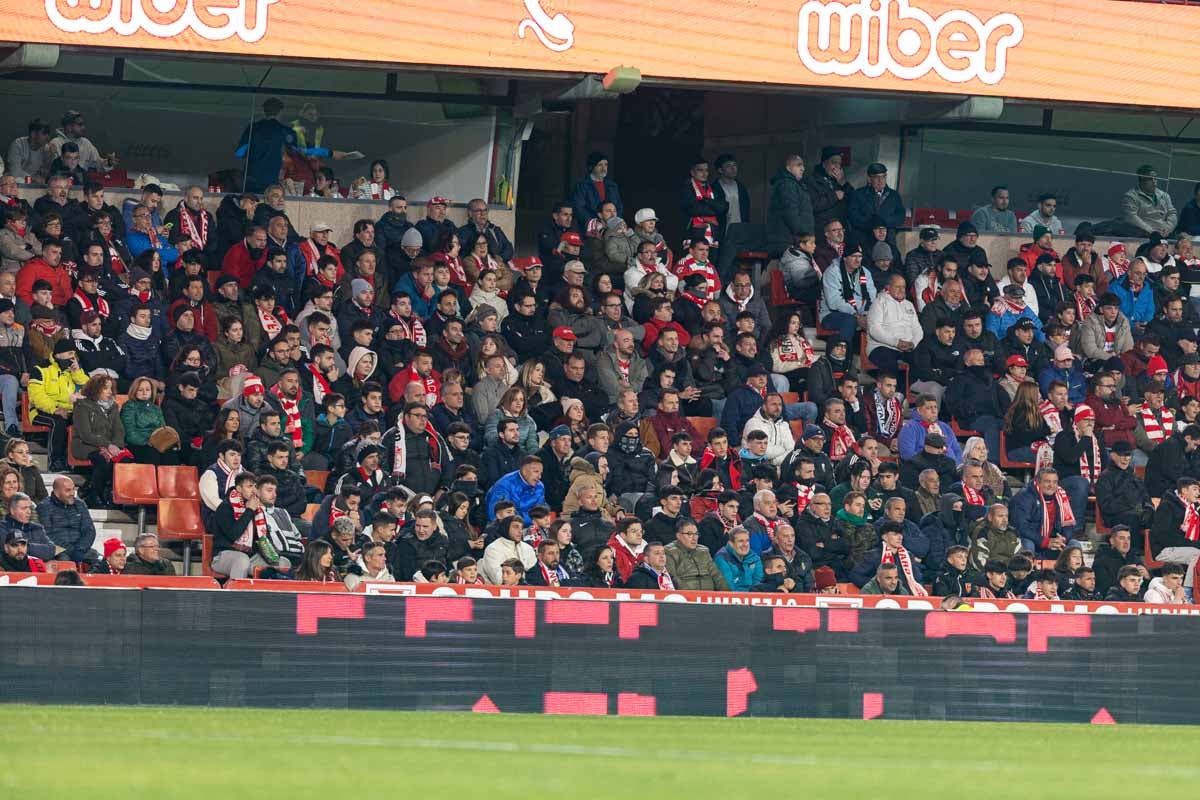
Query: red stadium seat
(1008, 463)
(779, 295)
(26, 425)
(317, 478)
(135, 485)
(702, 425)
(179, 521)
(71, 459)
(180, 482)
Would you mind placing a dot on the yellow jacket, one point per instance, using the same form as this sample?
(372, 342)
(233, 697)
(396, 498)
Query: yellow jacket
(50, 388)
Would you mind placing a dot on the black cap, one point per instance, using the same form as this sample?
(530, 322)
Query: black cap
(967, 227)
(935, 440)
(875, 168)
(12, 537)
(64, 346)
(1024, 324)
(6, 305)
(1121, 448)
(189, 379)
(1189, 358)
(929, 234)
(1012, 290)
(756, 369)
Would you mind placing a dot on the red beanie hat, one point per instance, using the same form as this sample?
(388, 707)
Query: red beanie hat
(253, 385)
(1156, 364)
(112, 545)
(1083, 412)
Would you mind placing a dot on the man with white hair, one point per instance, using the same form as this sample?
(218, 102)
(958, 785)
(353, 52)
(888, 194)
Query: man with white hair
(763, 522)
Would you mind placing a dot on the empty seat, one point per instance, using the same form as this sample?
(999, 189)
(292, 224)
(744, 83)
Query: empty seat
(702, 425)
(135, 485)
(179, 521)
(317, 478)
(178, 482)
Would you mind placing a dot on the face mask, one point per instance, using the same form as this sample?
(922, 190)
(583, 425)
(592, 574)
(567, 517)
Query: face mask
(63, 363)
(629, 446)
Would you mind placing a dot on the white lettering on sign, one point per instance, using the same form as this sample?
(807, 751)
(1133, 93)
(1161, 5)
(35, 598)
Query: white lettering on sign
(874, 37)
(214, 20)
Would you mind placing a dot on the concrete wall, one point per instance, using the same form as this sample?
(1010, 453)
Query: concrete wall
(303, 212)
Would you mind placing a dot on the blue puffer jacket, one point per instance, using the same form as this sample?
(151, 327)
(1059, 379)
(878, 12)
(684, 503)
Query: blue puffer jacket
(1139, 307)
(742, 574)
(69, 527)
(144, 358)
(513, 487)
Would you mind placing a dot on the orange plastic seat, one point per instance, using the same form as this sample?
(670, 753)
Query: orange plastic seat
(317, 478)
(26, 425)
(71, 459)
(179, 521)
(135, 485)
(179, 482)
(702, 425)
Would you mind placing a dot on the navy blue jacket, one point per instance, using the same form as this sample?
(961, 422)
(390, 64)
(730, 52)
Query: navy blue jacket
(585, 200)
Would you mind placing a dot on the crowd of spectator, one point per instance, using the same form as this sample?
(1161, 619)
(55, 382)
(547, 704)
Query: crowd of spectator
(614, 410)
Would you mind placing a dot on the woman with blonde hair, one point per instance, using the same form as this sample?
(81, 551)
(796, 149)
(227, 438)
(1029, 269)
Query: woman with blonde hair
(145, 427)
(540, 401)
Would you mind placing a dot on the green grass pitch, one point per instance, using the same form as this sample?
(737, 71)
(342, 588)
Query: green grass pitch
(120, 752)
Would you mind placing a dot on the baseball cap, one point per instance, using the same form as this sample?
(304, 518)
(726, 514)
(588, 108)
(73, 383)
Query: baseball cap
(318, 227)
(574, 266)
(15, 536)
(1024, 324)
(572, 238)
(813, 431)
(929, 234)
(563, 332)
(1012, 290)
(559, 430)
(935, 440)
(438, 200)
(1063, 353)
(875, 168)
(1015, 361)
(644, 214)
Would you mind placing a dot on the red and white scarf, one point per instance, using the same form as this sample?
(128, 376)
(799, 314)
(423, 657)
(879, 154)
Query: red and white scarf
(1190, 527)
(1090, 471)
(702, 193)
(308, 249)
(291, 410)
(623, 367)
(115, 262)
(400, 450)
(769, 525)
(321, 385)
(245, 542)
(841, 440)
(553, 577)
(859, 300)
(1084, 307)
(1051, 415)
(380, 191)
(688, 266)
(1154, 431)
(1065, 515)
(1038, 594)
(414, 329)
(271, 324)
(930, 292)
(336, 513)
(804, 495)
(900, 557)
(198, 235)
(972, 496)
(1116, 269)
(796, 350)
(99, 305)
(887, 415)
(1004, 305)
(664, 580)
(1185, 387)
(373, 479)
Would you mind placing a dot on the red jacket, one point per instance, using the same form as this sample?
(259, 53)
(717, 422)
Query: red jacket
(1112, 420)
(626, 561)
(36, 269)
(206, 317)
(1029, 254)
(666, 426)
(433, 385)
(240, 265)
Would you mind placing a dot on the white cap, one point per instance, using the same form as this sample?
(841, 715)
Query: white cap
(644, 214)
(317, 227)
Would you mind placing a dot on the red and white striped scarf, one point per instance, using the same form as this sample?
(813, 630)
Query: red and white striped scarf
(688, 266)
(245, 542)
(1004, 305)
(841, 440)
(400, 450)
(930, 292)
(378, 190)
(308, 249)
(804, 496)
(1156, 432)
(1190, 527)
(99, 305)
(1116, 269)
(1051, 415)
(901, 558)
(198, 235)
(1065, 514)
(271, 324)
(291, 410)
(414, 329)
(1084, 307)
(769, 525)
(336, 513)
(702, 193)
(623, 368)
(115, 261)
(1038, 594)
(1090, 471)
(859, 300)
(321, 385)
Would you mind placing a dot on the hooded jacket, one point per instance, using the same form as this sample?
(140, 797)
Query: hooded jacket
(582, 473)
(741, 573)
(912, 438)
(632, 471)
